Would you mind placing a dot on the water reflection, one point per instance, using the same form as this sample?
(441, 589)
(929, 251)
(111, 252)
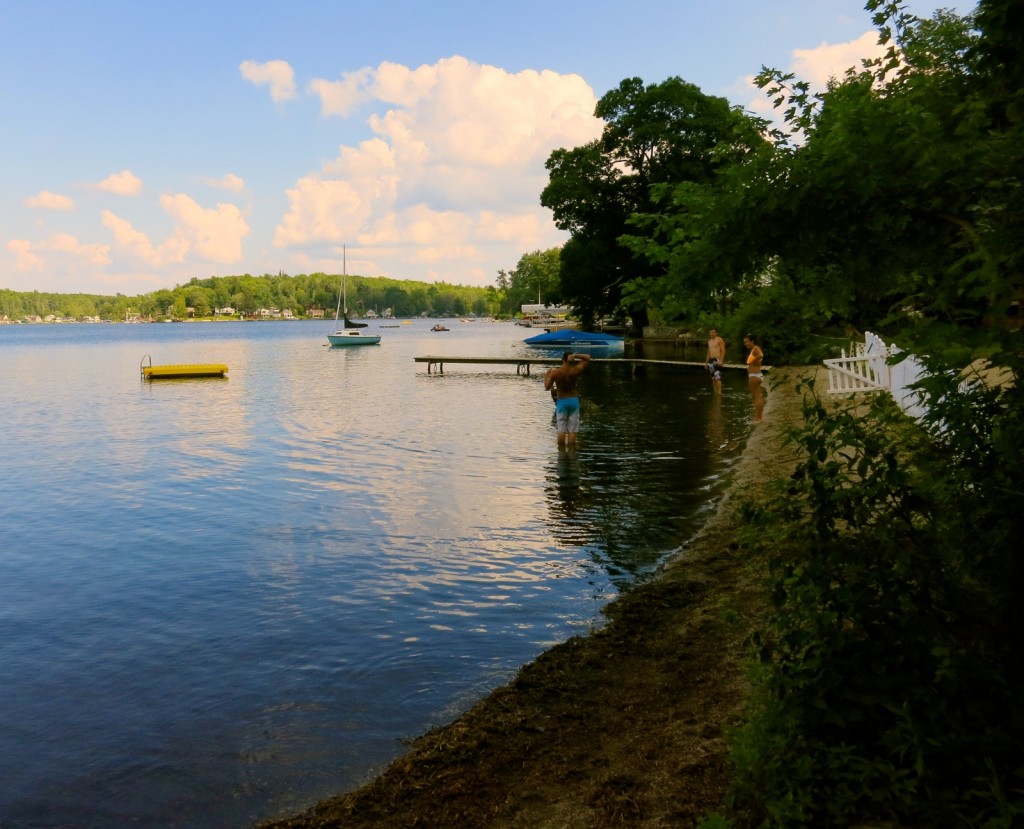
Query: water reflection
(567, 475)
(305, 563)
(716, 423)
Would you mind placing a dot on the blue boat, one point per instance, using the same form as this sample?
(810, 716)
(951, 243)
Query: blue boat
(571, 338)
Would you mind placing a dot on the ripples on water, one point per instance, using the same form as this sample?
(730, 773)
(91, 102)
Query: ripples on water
(221, 600)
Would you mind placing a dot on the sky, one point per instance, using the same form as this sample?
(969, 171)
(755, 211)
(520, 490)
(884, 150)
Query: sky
(144, 144)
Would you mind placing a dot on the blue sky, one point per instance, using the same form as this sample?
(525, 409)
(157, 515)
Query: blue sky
(144, 144)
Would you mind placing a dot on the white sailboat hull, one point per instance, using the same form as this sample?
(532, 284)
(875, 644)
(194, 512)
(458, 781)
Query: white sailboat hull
(352, 336)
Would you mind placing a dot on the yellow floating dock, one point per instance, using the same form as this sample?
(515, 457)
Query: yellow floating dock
(151, 372)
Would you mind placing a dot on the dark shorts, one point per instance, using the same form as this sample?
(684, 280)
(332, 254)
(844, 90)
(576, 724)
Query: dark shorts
(714, 369)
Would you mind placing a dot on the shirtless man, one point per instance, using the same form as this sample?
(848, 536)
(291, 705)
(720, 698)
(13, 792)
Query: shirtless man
(564, 380)
(715, 359)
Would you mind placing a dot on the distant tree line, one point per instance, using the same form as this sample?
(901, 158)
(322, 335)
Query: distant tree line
(247, 294)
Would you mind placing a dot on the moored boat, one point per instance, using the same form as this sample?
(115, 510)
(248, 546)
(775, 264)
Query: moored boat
(351, 333)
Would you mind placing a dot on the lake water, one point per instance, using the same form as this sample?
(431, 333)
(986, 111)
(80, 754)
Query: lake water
(224, 599)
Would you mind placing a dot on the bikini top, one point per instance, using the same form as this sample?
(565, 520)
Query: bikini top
(753, 357)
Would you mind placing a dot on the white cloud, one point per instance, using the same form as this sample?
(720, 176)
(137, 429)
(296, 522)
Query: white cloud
(46, 200)
(25, 258)
(65, 246)
(456, 168)
(125, 183)
(137, 244)
(817, 67)
(341, 97)
(213, 234)
(276, 74)
(229, 181)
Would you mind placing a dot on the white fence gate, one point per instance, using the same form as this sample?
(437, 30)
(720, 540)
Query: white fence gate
(867, 368)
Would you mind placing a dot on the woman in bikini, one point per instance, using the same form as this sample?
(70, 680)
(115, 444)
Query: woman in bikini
(754, 359)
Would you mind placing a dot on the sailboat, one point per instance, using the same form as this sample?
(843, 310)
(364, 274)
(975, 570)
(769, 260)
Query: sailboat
(351, 333)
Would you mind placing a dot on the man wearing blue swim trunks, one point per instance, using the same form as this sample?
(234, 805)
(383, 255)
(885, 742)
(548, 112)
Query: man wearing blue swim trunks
(564, 380)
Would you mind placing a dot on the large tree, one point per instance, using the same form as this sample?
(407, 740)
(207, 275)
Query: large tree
(667, 132)
(535, 278)
(896, 206)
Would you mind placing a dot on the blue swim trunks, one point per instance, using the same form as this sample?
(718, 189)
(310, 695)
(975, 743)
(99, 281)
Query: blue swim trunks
(567, 414)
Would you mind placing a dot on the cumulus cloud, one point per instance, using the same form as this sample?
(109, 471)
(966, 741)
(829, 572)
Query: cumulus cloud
(25, 258)
(341, 97)
(229, 181)
(215, 234)
(137, 244)
(819, 65)
(455, 169)
(45, 200)
(125, 183)
(210, 234)
(277, 74)
(65, 246)
(831, 60)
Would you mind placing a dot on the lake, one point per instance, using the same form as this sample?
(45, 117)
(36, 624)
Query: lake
(224, 599)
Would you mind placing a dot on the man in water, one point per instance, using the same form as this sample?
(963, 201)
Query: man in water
(564, 380)
(715, 359)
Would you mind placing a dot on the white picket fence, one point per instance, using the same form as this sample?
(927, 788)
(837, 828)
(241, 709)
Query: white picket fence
(866, 368)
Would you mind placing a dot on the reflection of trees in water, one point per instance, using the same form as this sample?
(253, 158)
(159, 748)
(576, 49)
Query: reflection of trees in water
(616, 505)
(716, 431)
(653, 455)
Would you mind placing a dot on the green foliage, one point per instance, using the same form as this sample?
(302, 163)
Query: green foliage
(654, 135)
(247, 294)
(714, 821)
(535, 275)
(891, 670)
(785, 320)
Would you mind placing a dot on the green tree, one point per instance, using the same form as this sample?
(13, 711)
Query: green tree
(534, 279)
(655, 134)
(891, 661)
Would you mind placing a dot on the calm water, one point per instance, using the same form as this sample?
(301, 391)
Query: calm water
(221, 600)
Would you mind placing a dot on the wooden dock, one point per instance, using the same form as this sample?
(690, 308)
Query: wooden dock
(523, 364)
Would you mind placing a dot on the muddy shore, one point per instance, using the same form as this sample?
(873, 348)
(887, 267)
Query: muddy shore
(624, 726)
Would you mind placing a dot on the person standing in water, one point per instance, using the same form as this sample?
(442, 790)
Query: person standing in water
(754, 374)
(564, 380)
(715, 359)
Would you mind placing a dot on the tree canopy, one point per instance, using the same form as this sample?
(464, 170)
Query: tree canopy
(655, 134)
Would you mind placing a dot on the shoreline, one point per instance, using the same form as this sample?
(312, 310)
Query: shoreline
(623, 725)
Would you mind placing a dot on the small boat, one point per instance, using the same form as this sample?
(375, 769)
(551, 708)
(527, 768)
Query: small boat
(440, 327)
(352, 332)
(571, 338)
(181, 370)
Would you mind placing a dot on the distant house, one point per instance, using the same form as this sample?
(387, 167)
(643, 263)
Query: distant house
(226, 311)
(315, 313)
(287, 314)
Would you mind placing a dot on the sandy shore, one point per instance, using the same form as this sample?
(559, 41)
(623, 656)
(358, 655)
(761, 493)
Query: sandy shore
(624, 726)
